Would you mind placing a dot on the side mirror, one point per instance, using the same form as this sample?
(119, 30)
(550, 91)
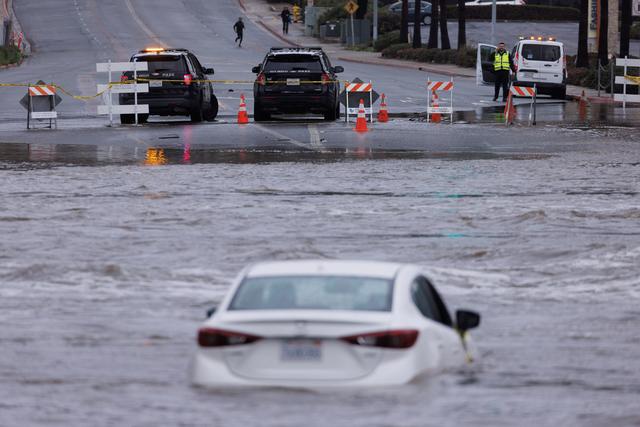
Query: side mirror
(466, 320)
(209, 71)
(211, 311)
(255, 70)
(338, 69)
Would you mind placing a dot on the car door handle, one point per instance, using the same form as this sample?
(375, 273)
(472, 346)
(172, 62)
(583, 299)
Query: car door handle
(547, 65)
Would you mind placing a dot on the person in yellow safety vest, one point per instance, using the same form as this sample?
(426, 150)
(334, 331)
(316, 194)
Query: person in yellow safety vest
(502, 63)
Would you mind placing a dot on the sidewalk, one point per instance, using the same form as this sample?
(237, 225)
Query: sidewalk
(267, 16)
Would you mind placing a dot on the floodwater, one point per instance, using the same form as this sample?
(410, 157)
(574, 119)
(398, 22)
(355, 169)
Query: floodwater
(109, 262)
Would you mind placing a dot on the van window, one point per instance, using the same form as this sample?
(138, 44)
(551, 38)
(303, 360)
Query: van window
(541, 52)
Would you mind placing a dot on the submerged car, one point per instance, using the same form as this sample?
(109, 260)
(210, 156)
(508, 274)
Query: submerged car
(330, 323)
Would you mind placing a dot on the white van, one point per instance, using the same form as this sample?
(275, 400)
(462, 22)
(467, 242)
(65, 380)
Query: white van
(537, 61)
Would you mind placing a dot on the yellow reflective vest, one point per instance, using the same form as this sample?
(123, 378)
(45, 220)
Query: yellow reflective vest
(501, 61)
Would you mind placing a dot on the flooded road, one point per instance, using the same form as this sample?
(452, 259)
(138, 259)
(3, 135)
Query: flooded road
(109, 259)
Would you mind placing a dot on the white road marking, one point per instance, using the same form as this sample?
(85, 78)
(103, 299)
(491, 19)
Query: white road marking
(285, 138)
(142, 25)
(316, 142)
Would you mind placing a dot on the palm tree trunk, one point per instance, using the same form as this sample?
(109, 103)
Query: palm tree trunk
(583, 34)
(404, 22)
(444, 32)
(625, 27)
(603, 46)
(433, 30)
(417, 33)
(462, 25)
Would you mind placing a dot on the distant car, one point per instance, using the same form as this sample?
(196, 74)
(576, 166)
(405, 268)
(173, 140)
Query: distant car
(498, 3)
(425, 11)
(177, 86)
(330, 323)
(296, 81)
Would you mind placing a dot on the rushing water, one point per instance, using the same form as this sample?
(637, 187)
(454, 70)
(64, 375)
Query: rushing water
(107, 268)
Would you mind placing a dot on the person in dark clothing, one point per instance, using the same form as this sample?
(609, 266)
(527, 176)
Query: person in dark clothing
(286, 18)
(238, 27)
(502, 64)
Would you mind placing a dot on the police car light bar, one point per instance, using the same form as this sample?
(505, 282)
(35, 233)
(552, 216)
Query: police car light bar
(539, 38)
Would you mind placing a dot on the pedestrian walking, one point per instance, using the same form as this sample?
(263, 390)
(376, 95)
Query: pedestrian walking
(238, 27)
(286, 18)
(502, 64)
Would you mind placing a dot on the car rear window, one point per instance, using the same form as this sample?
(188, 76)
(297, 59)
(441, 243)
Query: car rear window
(313, 293)
(163, 63)
(293, 64)
(540, 52)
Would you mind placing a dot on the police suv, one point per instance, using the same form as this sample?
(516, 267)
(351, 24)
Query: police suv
(296, 80)
(538, 61)
(177, 86)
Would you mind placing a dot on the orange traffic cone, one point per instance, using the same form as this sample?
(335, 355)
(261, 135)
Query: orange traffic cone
(582, 106)
(361, 121)
(509, 109)
(243, 118)
(383, 114)
(435, 117)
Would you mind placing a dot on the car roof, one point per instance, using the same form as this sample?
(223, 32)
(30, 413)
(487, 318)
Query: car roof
(295, 51)
(383, 270)
(548, 42)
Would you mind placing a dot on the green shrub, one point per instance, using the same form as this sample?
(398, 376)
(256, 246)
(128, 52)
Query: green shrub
(386, 40)
(9, 55)
(519, 13)
(464, 57)
(392, 51)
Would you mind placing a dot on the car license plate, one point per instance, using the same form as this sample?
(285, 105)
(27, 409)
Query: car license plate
(301, 350)
(155, 83)
(293, 82)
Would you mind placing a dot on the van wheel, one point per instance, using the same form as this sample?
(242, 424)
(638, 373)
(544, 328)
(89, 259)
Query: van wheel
(559, 93)
(127, 119)
(212, 112)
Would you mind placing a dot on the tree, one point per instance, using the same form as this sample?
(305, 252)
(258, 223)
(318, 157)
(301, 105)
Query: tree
(582, 59)
(433, 30)
(603, 46)
(444, 32)
(362, 9)
(462, 25)
(404, 22)
(625, 27)
(417, 21)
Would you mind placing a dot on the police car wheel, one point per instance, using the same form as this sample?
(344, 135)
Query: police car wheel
(212, 112)
(196, 114)
(259, 115)
(127, 119)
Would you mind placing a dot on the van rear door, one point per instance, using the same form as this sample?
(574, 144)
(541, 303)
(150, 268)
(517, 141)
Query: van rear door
(540, 63)
(484, 65)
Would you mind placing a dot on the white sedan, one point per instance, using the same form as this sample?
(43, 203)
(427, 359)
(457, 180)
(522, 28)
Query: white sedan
(330, 323)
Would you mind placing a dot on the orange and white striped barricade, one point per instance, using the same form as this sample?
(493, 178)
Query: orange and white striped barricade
(360, 88)
(524, 92)
(442, 86)
(40, 91)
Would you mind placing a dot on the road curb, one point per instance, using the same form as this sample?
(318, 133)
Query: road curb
(416, 67)
(242, 5)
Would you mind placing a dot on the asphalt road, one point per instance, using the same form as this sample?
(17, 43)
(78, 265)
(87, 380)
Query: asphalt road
(69, 37)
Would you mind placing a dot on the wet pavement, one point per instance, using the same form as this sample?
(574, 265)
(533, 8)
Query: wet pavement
(112, 252)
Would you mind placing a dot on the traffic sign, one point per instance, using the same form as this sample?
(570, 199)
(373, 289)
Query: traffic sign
(351, 7)
(355, 97)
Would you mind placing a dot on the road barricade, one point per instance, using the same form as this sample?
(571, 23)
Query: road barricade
(435, 108)
(627, 80)
(360, 88)
(521, 91)
(110, 89)
(41, 104)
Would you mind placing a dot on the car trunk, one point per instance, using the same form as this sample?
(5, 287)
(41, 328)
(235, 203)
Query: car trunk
(291, 74)
(541, 63)
(303, 344)
(165, 76)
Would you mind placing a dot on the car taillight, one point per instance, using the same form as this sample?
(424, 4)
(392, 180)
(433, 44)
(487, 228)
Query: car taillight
(326, 78)
(123, 78)
(188, 78)
(211, 337)
(403, 338)
(261, 79)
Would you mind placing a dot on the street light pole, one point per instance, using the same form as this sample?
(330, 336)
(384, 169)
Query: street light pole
(494, 13)
(375, 20)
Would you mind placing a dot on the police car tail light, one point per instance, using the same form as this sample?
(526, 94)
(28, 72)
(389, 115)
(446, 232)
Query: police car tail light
(326, 78)
(401, 338)
(188, 78)
(212, 337)
(124, 78)
(261, 79)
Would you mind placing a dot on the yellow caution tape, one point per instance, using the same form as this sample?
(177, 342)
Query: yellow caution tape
(635, 79)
